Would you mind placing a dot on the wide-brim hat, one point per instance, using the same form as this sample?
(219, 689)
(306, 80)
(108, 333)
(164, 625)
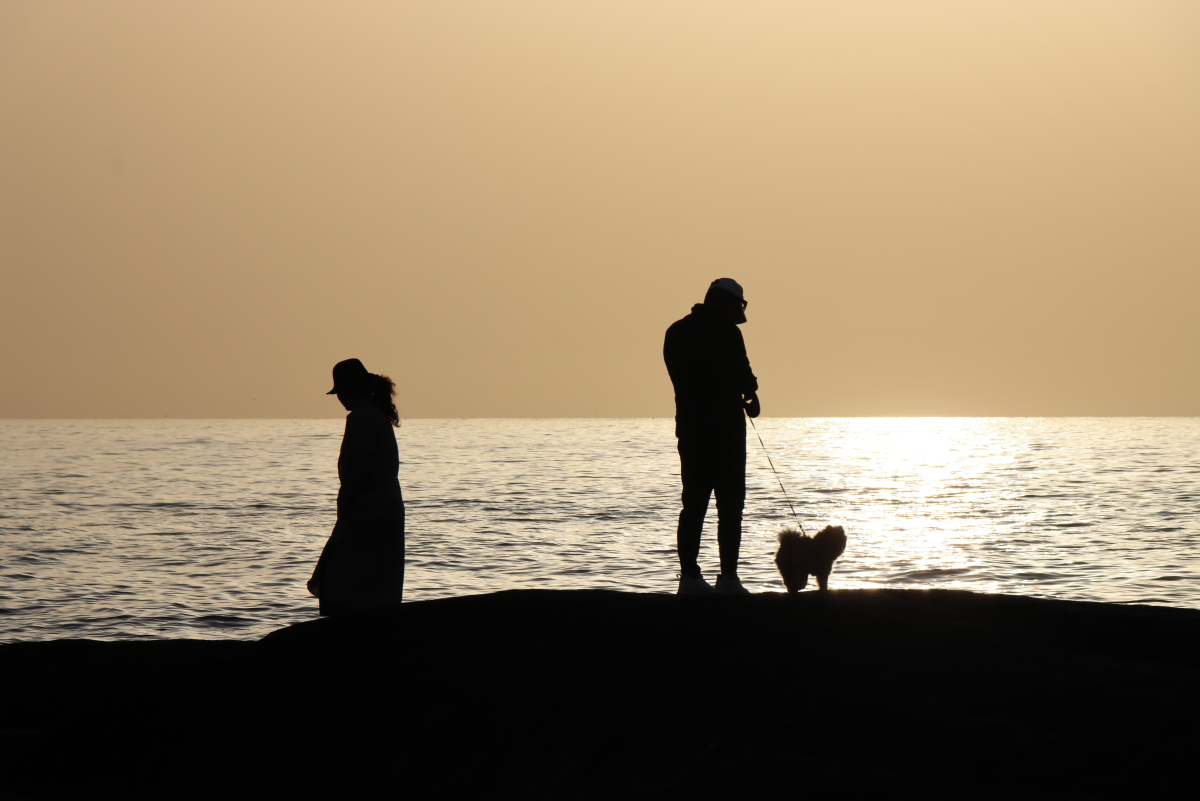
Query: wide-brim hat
(349, 375)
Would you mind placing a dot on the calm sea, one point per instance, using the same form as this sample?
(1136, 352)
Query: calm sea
(194, 528)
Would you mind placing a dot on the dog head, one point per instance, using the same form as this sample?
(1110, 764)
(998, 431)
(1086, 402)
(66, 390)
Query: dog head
(800, 556)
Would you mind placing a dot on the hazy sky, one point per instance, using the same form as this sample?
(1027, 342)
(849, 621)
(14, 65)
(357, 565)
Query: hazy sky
(936, 208)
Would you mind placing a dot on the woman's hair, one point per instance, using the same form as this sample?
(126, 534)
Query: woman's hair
(382, 389)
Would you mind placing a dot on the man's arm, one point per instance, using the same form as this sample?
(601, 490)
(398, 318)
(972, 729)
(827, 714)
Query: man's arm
(746, 382)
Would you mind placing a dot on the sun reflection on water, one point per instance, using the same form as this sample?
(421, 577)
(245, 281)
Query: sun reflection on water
(979, 503)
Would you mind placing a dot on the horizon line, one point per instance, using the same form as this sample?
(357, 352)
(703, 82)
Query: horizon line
(567, 417)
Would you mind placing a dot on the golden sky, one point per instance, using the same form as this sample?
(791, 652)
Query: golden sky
(936, 208)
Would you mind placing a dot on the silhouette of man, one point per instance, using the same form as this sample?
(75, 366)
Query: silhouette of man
(706, 357)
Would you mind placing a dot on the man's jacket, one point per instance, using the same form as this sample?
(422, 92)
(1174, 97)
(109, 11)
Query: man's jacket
(706, 357)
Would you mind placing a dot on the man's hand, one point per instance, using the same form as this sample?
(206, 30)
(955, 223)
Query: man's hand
(753, 408)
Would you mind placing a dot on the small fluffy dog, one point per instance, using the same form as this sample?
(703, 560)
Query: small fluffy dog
(800, 556)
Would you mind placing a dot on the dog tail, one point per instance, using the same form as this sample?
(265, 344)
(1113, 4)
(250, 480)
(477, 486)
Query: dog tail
(790, 534)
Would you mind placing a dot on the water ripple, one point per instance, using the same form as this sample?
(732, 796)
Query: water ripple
(150, 529)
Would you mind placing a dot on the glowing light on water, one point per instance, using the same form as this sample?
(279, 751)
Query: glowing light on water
(988, 504)
(210, 528)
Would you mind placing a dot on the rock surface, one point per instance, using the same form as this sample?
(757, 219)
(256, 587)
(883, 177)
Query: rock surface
(591, 694)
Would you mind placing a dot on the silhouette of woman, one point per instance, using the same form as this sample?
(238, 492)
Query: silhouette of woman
(362, 566)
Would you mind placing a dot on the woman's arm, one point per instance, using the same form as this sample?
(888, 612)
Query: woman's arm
(354, 461)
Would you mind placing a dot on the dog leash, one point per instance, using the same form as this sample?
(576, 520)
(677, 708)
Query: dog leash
(776, 472)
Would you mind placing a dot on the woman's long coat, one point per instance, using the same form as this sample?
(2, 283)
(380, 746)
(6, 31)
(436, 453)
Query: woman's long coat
(362, 566)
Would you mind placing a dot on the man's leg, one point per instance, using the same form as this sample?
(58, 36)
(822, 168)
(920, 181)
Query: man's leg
(729, 485)
(696, 473)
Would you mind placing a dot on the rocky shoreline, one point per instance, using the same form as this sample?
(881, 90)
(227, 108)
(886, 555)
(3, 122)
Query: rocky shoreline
(593, 694)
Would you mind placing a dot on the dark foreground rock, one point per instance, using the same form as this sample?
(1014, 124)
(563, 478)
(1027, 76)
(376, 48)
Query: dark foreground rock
(539, 694)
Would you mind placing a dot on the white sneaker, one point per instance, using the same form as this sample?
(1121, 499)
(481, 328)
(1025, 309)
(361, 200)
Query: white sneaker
(730, 586)
(693, 585)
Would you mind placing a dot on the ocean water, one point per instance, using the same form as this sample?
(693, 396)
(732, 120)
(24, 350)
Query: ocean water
(210, 528)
